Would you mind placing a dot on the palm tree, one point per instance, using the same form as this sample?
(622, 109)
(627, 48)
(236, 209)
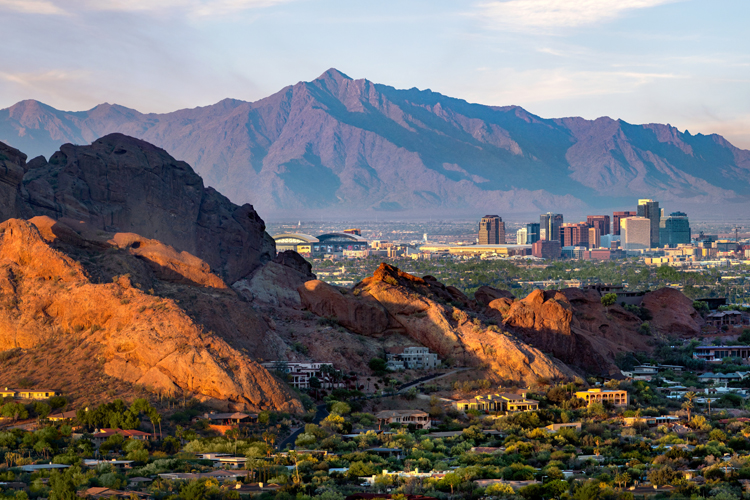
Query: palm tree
(688, 404)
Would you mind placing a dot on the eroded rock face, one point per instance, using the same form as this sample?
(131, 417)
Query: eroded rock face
(12, 169)
(394, 302)
(123, 185)
(673, 313)
(46, 296)
(275, 284)
(486, 294)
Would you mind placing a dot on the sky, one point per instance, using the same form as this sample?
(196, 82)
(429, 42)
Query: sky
(682, 62)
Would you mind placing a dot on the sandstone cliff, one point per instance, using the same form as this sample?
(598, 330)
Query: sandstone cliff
(392, 302)
(59, 287)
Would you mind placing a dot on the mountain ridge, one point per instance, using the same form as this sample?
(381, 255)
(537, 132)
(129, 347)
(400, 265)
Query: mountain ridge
(336, 146)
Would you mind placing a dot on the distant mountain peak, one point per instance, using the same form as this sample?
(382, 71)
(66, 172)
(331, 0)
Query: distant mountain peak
(334, 74)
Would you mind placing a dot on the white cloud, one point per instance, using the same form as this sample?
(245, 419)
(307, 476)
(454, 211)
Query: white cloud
(510, 86)
(558, 13)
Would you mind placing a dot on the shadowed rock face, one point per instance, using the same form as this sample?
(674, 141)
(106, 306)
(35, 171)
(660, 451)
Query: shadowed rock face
(120, 184)
(12, 169)
(46, 296)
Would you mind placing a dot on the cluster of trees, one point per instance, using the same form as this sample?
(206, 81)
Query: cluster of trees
(116, 415)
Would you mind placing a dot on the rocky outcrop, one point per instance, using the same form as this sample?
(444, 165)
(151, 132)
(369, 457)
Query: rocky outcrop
(47, 297)
(123, 185)
(275, 284)
(392, 302)
(12, 169)
(672, 313)
(486, 294)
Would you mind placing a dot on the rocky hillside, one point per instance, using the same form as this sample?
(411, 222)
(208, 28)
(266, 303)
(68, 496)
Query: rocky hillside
(59, 287)
(571, 325)
(392, 302)
(338, 146)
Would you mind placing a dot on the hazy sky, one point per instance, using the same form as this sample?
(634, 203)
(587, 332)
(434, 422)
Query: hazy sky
(684, 62)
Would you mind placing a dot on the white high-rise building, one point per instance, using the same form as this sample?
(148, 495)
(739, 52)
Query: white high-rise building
(521, 236)
(635, 233)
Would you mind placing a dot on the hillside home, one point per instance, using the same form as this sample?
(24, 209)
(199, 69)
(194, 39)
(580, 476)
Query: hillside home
(101, 435)
(720, 378)
(28, 393)
(576, 426)
(503, 402)
(714, 353)
(613, 396)
(404, 417)
(651, 421)
(724, 318)
(300, 373)
(413, 358)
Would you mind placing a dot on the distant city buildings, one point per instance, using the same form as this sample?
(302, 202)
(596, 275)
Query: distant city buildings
(521, 236)
(674, 230)
(492, 230)
(544, 249)
(617, 217)
(600, 222)
(636, 233)
(574, 235)
(532, 233)
(649, 209)
(330, 243)
(549, 226)
(594, 237)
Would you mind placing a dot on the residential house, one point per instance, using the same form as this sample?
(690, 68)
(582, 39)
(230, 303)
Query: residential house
(28, 393)
(413, 358)
(615, 396)
(101, 492)
(101, 435)
(570, 425)
(651, 421)
(299, 374)
(715, 354)
(418, 418)
(65, 415)
(719, 378)
(724, 318)
(503, 402)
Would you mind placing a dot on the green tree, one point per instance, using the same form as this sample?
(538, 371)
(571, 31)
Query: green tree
(378, 366)
(609, 299)
(341, 408)
(61, 487)
(661, 476)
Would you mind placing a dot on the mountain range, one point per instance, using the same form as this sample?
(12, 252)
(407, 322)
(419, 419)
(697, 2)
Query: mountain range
(339, 147)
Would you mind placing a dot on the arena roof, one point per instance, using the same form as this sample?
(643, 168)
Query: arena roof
(295, 238)
(343, 237)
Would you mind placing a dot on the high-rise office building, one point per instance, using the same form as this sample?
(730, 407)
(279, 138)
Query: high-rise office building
(594, 237)
(549, 226)
(636, 233)
(617, 217)
(492, 230)
(575, 235)
(532, 233)
(521, 236)
(674, 230)
(599, 221)
(650, 209)
(545, 249)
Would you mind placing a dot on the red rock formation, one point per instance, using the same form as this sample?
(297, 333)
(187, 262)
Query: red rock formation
(673, 313)
(47, 296)
(392, 302)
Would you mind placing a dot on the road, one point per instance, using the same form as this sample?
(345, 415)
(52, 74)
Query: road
(320, 414)
(422, 380)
